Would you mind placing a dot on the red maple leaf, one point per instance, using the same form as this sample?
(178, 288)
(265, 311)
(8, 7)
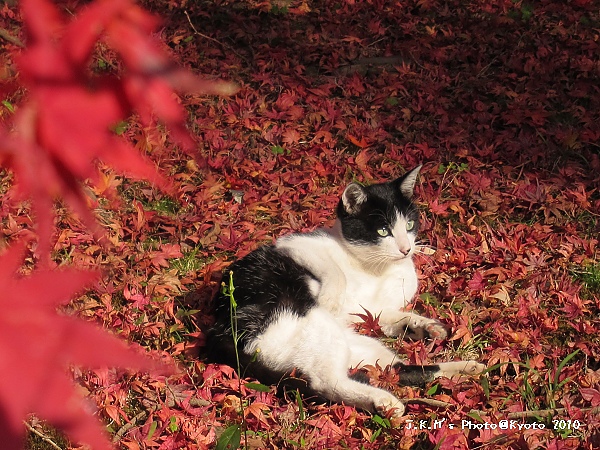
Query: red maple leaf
(477, 283)
(591, 395)
(369, 325)
(64, 128)
(361, 143)
(291, 136)
(166, 252)
(441, 209)
(37, 345)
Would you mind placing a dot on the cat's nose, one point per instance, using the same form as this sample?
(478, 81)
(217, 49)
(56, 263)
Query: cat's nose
(404, 250)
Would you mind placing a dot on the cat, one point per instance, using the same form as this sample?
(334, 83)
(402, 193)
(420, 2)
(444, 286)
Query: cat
(297, 301)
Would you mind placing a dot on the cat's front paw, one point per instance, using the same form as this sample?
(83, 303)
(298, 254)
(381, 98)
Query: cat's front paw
(409, 325)
(385, 402)
(436, 330)
(421, 327)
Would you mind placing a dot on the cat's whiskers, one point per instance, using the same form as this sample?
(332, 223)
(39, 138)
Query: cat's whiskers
(378, 260)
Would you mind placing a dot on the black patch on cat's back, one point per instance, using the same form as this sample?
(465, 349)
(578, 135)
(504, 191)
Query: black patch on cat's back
(266, 281)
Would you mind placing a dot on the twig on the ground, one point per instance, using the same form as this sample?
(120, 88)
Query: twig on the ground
(216, 41)
(42, 436)
(362, 65)
(4, 34)
(545, 412)
(513, 415)
(142, 415)
(129, 425)
(429, 402)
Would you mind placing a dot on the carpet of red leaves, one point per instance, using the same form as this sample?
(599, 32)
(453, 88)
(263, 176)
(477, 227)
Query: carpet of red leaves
(500, 100)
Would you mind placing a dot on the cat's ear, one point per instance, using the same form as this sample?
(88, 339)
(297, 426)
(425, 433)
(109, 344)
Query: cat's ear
(406, 183)
(353, 197)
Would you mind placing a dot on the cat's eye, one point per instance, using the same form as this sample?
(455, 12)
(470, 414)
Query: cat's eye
(383, 232)
(410, 225)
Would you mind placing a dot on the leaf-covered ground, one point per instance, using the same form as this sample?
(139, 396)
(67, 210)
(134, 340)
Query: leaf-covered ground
(500, 100)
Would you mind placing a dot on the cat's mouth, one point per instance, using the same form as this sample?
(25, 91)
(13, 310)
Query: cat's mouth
(401, 256)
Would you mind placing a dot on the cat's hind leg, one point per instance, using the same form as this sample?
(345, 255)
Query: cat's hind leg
(369, 351)
(317, 344)
(366, 350)
(415, 375)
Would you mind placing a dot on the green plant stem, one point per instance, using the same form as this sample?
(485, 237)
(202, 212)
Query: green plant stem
(229, 290)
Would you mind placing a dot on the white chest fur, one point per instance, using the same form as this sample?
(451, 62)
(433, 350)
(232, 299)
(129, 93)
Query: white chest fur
(346, 287)
(393, 288)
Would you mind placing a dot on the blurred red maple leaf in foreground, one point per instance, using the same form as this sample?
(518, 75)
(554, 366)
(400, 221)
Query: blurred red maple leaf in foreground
(59, 133)
(37, 345)
(65, 125)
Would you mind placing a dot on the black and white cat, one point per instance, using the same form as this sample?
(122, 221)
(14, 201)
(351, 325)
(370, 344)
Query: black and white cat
(297, 301)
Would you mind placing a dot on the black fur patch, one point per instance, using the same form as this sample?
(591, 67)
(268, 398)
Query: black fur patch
(266, 282)
(411, 375)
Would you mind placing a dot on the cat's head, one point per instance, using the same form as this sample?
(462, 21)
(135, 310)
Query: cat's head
(380, 222)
